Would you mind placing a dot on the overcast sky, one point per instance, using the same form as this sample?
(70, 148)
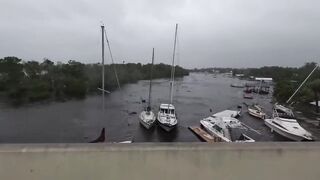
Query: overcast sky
(224, 33)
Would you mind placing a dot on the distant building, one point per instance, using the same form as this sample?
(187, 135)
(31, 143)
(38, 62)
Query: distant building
(264, 79)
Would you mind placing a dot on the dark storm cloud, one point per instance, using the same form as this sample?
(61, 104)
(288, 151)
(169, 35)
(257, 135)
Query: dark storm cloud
(237, 33)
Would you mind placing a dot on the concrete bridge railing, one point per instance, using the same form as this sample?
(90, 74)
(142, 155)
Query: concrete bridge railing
(251, 161)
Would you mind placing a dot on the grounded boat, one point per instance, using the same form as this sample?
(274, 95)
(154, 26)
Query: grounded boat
(167, 115)
(222, 128)
(288, 128)
(147, 117)
(256, 111)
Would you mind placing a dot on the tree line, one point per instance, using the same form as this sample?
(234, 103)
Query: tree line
(31, 81)
(286, 79)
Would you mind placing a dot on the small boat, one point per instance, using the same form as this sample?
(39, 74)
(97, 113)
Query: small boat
(167, 117)
(288, 128)
(147, 117)
(221, 127)
(256, 111)
(247, 96)
(237, 85)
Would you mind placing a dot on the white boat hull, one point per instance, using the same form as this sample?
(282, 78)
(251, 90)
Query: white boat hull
(147, 119)
(291, 136)
(167, 121)
(256, 114)
(167, 127)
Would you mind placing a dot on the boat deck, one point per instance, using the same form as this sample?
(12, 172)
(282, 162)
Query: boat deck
(204, 135)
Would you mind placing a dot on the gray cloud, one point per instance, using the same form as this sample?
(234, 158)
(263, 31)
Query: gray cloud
(230, 33)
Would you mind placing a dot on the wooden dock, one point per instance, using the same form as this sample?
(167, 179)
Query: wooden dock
(204, 135)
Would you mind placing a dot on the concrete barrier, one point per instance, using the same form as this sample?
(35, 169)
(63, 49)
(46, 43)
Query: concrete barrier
(251, 161)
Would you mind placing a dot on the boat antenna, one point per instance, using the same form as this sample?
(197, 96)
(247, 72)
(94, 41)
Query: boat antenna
(305, 80)
(102, 57)
(112, 61)
(173, 68)
(150, 85)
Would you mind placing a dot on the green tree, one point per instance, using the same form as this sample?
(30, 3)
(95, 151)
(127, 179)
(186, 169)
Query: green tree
(315, 87)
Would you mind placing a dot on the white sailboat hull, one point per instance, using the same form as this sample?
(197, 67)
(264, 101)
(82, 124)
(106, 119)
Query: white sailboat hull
(167, 127)
(147, 119)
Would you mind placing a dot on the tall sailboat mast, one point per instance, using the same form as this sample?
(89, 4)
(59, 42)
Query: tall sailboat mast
(150, 85)
(173, 68)
(102, 54)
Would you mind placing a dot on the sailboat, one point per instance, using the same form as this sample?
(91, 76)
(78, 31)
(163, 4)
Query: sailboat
(167, 115)
(256, 111)
(147, 117)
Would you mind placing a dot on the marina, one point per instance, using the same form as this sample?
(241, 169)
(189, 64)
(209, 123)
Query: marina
(197, 96)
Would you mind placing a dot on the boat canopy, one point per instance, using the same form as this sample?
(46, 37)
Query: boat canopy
(167, 106)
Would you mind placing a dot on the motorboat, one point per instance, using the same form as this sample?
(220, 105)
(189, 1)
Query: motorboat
(167, 117)
(147, 117)
(222, 127)
(256, 111)
(288, 128)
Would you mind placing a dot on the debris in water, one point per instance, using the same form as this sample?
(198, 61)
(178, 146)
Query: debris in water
(132, 113)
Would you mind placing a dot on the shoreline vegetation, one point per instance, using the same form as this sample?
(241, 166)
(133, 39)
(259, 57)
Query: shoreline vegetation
(286, 81)
(32, 81)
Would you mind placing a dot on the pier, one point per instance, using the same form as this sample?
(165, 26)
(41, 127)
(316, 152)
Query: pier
(203, 135)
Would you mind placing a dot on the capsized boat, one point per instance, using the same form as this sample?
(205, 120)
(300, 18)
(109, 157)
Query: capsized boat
(167, 117)
(256, 111)
(288, 128)
(222, 127)
(147, 117)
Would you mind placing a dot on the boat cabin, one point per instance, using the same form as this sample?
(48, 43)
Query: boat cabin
(167, 109)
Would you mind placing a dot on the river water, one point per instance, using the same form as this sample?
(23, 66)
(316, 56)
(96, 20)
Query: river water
(79, 121)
